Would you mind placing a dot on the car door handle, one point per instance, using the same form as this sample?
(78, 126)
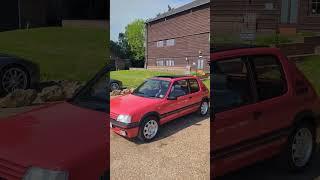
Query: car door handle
(190, 97)
(257, 115)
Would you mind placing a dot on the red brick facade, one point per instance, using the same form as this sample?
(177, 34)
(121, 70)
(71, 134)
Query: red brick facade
(190, 30)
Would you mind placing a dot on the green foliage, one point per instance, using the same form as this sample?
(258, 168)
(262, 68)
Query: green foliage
(134, 35)
(310, 67)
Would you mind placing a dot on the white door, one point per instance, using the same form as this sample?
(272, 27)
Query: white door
(200, 63)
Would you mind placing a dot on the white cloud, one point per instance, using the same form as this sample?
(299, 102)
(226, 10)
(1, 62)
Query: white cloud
(125, 11)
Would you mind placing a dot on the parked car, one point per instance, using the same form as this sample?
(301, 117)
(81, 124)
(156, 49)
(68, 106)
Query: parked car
(263, 107)
(115, 85)
(156, 101)
(60, 141)
(17, 73)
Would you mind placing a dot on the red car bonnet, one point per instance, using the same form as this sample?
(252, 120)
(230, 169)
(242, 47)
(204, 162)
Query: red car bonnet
(58, 136)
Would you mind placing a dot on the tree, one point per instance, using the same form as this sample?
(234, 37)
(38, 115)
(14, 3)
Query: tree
(134, 35)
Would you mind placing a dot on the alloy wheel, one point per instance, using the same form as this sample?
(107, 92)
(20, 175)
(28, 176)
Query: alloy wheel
(302, 147)
(14, 78)
(150, 129)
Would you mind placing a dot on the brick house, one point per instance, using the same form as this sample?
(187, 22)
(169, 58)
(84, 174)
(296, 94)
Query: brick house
(41, 13)
(265, 16)
(180, 38)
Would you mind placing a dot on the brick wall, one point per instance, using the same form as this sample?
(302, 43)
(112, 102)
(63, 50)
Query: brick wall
(191, 31)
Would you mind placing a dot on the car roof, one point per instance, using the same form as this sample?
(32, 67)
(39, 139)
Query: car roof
(172, 77)
(249, 50)
(228, 47)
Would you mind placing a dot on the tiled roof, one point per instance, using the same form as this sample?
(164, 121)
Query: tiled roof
(193, 4)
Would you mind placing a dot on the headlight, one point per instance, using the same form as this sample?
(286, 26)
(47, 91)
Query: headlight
(124, 118)
(35, 173)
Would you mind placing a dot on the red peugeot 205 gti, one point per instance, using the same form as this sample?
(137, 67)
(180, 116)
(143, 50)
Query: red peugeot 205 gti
(156, 101)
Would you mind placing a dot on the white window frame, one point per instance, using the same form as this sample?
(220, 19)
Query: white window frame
(170, 42)
(160, 43)
(317, 2)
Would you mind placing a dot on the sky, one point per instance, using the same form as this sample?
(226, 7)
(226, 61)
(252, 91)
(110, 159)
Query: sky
(125, 11)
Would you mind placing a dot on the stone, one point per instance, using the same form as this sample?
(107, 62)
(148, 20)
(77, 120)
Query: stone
(18, 98)
(52, 93)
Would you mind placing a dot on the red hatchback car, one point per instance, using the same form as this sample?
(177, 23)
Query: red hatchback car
(263, 106)
(59, 141)
(155, 102)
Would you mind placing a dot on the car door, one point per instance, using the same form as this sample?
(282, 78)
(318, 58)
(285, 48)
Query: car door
(177, 101)
(273, 109)
(234, 124)
(195, 96)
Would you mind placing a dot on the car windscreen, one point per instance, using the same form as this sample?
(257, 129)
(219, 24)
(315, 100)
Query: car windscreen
(152, 88)
(94, 95)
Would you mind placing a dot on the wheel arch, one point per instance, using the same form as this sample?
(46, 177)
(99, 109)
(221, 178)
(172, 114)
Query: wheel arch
(152, 113)
(305, 116)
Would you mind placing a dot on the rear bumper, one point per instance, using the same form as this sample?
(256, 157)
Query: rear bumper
(127, 130)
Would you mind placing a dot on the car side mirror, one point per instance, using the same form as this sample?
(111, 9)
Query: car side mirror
(172, 98)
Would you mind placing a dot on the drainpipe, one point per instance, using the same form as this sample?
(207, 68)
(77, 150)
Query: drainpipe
(146, 47)
(19, 12)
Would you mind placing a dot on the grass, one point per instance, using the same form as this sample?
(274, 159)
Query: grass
(263, 40)
(310, 67)
(133, 78)
(62, 53)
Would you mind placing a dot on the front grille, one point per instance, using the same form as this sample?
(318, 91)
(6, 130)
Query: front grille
(113, 115)
(11, 171)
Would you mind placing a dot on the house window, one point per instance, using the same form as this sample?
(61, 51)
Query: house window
(160, 44)
(160, 63)
(269, 6)
(169, 63)
(170, 42)
(315, 7)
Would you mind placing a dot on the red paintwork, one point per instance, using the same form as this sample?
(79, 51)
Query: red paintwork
(137, 106)
(57, 136)
(237, 125)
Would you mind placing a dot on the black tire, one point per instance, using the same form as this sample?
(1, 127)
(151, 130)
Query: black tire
(291, 164)
(3, 90)
(202, 113)
(142, 130)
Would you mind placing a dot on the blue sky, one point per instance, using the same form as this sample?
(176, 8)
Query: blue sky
(125, 11)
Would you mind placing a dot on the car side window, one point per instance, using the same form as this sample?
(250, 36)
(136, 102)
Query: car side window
(269, 76)
(230, 84)
(179, 88)
(194, 85)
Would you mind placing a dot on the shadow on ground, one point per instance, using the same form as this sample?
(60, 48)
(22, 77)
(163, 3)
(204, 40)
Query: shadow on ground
(175, 126)
(267, 170)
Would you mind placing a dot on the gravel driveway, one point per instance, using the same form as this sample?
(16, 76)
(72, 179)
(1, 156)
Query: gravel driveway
(181, 151)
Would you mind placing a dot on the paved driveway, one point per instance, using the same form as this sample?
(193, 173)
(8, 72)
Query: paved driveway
(181, 151)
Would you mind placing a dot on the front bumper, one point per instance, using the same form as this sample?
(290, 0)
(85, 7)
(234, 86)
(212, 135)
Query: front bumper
(127, 130)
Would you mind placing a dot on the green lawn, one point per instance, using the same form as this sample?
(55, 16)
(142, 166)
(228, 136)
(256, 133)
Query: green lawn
(133, 78)
(311, 68)
(62, 53)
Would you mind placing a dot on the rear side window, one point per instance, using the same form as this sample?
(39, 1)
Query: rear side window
(270, 81)
(179, 88)
(230, 84)
(194, 86)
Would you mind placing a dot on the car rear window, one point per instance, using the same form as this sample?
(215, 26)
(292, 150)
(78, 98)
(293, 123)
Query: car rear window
(270, 80)
(194, 85)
